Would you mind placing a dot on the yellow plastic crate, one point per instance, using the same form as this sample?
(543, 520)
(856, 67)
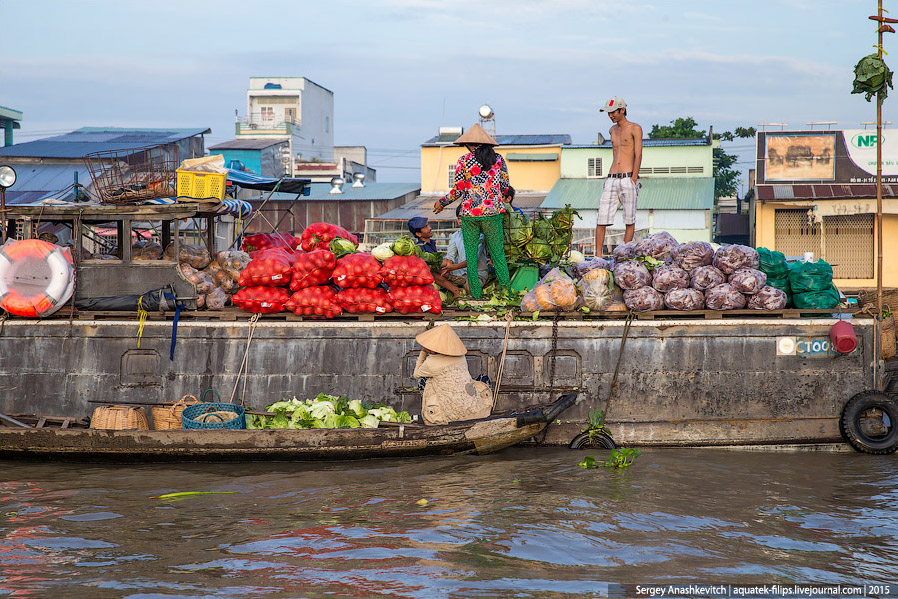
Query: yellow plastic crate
(201, 185)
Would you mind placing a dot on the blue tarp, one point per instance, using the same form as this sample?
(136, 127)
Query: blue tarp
(253, 181)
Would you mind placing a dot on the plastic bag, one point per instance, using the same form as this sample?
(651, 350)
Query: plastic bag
(692, 255)
(188, 273)
(773, 264)
(597, 285)
(216, 299)
(705, 277)
(232, 261)
(582, 268)
(657, 246)
(632, 275)
(817, 300)
(196, 256)
(810, 276)
(617, 300)
(684, 299)
(768, 298)
(555, 291)
(146, 250)
(724, 297)
(644, 299)
(748, 280)
(667, 277)
(624, 252)
(731, 258)
(204, 284)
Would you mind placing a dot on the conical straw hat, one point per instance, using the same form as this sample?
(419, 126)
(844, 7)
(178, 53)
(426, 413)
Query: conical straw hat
(442, 340)
(476, 135)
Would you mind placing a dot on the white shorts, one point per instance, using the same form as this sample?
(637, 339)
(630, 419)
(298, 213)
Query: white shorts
(618, 192)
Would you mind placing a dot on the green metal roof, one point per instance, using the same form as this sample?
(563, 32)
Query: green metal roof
(530, 157)
(657, 193)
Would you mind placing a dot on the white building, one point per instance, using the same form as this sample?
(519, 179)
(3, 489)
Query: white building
(291, 108)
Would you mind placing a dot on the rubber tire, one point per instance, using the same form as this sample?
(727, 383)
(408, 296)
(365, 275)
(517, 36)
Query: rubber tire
(849, 423)
(598, 441)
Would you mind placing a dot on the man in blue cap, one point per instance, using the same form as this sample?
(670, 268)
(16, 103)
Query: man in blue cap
(423, 234)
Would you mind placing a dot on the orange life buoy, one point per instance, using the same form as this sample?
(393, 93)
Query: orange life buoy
(36, 277)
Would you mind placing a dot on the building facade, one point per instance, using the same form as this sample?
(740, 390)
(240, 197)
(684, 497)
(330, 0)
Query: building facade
(815, 192)
(294, 109)
(9, 119)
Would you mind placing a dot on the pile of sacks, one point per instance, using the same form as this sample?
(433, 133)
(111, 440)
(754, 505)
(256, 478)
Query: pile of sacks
(658, 273)
(215, 280)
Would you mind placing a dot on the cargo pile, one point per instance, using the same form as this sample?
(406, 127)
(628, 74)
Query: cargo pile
(216, 279)
(321, 275)
(658, 273)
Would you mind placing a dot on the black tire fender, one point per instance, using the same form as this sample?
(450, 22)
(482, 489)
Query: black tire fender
(587, 440)
(852, 431)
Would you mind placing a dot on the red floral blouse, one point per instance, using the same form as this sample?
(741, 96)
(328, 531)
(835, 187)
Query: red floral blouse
(480, 191)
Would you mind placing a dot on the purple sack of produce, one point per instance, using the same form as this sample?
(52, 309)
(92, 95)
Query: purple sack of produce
(684, 299)
(632, 275)
(596, 263)
(731, 258)
(657, 246)
(704, 277)
(624, 252)
(690, 256)
(665, 278)
(748, 280)
(724, 297)
(768, 298)
(644, 299)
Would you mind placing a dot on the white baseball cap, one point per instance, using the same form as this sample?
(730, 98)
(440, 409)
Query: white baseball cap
(613, 104)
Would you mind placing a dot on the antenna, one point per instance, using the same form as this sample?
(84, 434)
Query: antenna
(487, 119)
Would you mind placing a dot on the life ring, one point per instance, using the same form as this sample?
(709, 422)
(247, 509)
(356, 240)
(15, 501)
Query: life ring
(593, 440)
(869, 423)
(36, 277)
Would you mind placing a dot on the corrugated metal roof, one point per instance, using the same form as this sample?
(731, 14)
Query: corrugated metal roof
(650, 143)
(38, 181)
(510, 140)
(371, 191)
(657, 193)
(826, 191)
(97, 139)
(248, 144)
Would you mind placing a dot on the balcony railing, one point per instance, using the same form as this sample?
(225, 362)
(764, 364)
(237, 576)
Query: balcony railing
(257, 125)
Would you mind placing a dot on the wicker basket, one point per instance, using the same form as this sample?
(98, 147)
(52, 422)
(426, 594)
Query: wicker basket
(867, 297)
(214, 416)
(120, 418)
(888, 337)
(168, 416)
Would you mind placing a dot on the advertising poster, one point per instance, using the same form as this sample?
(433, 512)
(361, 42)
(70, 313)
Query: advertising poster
(803, 157)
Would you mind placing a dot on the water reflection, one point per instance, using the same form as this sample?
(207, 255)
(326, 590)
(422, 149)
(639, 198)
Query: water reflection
(524, 523)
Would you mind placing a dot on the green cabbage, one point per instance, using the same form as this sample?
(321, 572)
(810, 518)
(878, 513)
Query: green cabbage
(325, 411)
(404, 246)
(539, 251)
(563, 220)
(518, 231)
(383, 252)
(542, 229)
(340, 247)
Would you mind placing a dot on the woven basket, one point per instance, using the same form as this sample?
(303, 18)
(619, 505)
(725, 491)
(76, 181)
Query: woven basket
(888, 337)
(120, 418)
(867, 297)
(168, 416)
(214, 416)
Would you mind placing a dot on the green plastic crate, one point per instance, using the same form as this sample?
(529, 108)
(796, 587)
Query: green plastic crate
(524, 278)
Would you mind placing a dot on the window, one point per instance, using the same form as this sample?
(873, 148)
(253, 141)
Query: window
(267, 113)
(451, 170)
(290, 115)
(845, 240)
(593, 168)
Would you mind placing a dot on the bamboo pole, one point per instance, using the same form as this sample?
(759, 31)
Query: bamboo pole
(879, 182)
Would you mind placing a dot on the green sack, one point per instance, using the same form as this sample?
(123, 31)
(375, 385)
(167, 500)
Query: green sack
(773, 264)
(810, 276)
(817, 300)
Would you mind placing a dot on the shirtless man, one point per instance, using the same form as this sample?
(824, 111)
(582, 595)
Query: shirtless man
(622, 185)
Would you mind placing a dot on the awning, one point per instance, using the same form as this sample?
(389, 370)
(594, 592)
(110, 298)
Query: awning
(252, 181)
(844, 207)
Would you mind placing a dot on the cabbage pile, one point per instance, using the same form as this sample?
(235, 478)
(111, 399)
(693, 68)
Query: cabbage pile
(325, 411)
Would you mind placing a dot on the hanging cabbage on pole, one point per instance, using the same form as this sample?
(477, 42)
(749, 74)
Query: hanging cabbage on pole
(872, 78)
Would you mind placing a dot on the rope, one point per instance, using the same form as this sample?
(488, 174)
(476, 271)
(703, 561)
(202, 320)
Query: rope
(241, 371)
(142, 319)
(508, 318)
(620, 355)
(3, 318)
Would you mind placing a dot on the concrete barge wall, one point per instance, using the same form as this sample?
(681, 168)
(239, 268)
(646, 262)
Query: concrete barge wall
(681, 382)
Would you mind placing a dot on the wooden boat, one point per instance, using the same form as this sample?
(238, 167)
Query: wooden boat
(482, 436)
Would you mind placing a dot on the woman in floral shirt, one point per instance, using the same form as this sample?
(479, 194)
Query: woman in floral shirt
(481, 181)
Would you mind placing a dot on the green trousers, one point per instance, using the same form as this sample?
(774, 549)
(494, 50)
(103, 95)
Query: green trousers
(491, 227)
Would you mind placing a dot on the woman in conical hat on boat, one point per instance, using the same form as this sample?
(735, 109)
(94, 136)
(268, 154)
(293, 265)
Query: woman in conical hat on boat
(450, 394)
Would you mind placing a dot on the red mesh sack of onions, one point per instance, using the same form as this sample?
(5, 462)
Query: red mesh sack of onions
(312, 269)
(268, 267)
(317, 301)
(264, 299)
(405, 271)
(415, 299)
(318, 236)
(357, 270)
(364, 301)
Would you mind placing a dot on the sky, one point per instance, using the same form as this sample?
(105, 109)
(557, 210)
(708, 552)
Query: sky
(400, 69)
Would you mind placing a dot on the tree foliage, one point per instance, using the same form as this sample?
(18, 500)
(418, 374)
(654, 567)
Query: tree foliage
(726, 178)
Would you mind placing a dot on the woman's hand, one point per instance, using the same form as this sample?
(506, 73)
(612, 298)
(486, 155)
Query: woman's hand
(437, 207)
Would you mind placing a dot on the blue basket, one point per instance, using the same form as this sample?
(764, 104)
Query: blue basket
(191, 413)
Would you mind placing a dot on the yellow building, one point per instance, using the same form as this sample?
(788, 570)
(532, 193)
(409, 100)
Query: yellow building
(816, 192)
(534, 161)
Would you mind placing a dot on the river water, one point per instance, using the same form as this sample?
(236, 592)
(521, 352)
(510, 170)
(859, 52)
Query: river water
(527, 522)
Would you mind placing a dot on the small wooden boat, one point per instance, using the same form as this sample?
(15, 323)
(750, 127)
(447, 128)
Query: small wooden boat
(482, 436)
